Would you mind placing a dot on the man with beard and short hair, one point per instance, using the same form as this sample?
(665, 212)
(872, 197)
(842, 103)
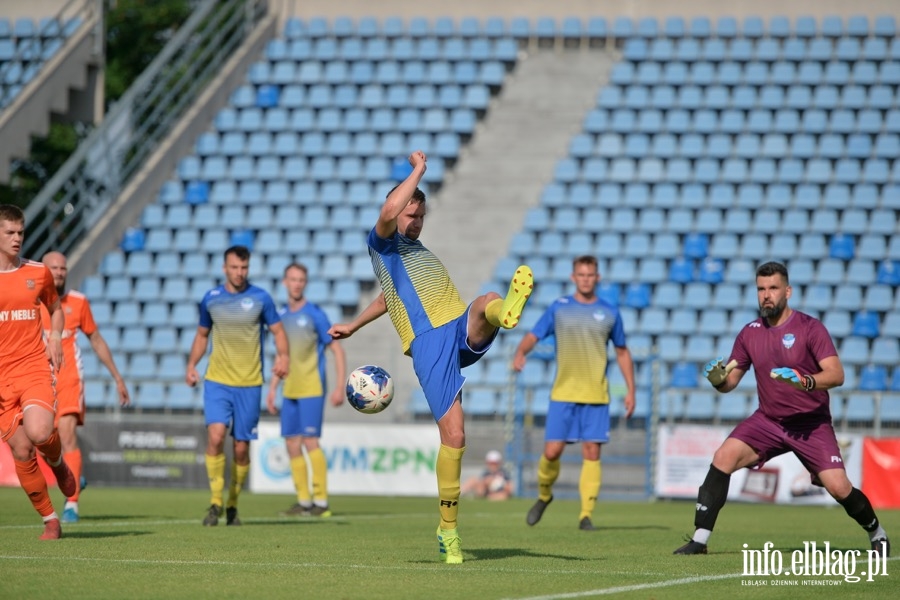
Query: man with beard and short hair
(233, 321)
(795, 363)
(69, 380)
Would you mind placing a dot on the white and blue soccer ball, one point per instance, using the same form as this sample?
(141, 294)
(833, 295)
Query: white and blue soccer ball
(370, 389)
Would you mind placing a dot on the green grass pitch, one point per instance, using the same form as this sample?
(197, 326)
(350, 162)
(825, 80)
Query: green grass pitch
(146, 543)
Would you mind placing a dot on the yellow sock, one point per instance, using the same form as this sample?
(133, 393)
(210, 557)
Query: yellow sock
(215, 470)
(492, 311)
(301, 479)
(238, 477)
(548, 471)
(589, 486)
(319, 475)
(449, 467)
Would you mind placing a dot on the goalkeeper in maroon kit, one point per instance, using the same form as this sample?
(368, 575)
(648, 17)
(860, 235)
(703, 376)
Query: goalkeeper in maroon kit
(795, 364)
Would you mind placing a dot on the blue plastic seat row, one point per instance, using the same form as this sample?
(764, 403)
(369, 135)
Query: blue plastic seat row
(768, 50)
(710, 170)
(743, 145)
(748, 195)
(388, 72)
(400, 49)
(295, 149)
(733, 121)
(756, 73)
(746, 97)
(348, 96)
(356, 120)
(46, 27)
(751, 26)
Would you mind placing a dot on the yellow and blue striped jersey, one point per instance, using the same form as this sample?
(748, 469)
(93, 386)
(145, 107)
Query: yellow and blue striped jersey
(582, 334)
(237, 325)
(418, 291)
(307, 333)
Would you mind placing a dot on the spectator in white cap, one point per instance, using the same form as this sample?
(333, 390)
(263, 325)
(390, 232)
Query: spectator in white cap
(494, 483)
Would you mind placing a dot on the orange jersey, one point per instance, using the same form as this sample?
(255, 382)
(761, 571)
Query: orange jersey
(77, 311)
(21, 336)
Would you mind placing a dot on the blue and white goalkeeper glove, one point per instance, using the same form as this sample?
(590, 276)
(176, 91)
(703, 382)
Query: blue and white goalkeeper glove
(716, 372)
(793, 378)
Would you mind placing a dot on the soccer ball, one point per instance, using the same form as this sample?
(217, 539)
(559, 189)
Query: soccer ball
(370, 389)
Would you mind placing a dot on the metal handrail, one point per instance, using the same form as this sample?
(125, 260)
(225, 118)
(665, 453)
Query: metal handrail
(88, 183)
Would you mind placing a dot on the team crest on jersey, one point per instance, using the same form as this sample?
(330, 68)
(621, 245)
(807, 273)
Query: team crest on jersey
(302, 321)
(599, 315)
(29, 283)
(247, 303)
(788, 340)
(68, 310)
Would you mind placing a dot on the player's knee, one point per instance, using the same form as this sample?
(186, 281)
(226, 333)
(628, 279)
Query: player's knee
(838, 487)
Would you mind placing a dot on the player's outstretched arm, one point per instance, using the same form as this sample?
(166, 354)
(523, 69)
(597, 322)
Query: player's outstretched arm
(270, 395)
(526, 345)
(400, 196)
(54, 340)
(377, 308)
(198, 349)
(282, 356)
(831, 376)
(340, 373)
(717, 373)
(626, 365)
(104, 355)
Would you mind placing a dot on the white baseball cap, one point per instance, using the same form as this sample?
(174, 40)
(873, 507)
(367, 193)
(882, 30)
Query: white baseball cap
(493, 457)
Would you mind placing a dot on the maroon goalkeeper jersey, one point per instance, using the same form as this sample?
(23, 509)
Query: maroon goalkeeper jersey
(800, 343)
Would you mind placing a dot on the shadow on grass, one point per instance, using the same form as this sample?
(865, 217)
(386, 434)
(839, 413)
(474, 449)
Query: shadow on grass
(90, 535)
(631, 527)
(500, 553)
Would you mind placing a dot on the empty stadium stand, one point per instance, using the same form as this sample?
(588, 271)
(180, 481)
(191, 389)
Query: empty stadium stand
(716, 144)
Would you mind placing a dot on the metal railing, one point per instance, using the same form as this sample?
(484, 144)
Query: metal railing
(87, 184)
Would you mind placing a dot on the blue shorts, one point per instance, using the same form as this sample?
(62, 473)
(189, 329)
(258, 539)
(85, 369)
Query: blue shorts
(439, 356)
(232, 405)
(573, 422)
(302, 416)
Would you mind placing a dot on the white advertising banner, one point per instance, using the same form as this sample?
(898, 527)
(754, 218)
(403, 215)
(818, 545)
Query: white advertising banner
(684, 453)
(376, 460)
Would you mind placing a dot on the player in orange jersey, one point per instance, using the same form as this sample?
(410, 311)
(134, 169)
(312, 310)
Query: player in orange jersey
(69, 380)
(27, 398)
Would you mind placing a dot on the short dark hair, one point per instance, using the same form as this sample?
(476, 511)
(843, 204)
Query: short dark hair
(11, 212)
(772, 268)
(418, 196)
(296, 265)
(242, 252)
(585, 259)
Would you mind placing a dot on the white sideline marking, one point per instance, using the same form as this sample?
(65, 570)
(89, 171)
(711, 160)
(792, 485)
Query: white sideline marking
(223, 563)
(647, 586)
(632, 588)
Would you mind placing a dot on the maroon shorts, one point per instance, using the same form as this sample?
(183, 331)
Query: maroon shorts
(813, 443)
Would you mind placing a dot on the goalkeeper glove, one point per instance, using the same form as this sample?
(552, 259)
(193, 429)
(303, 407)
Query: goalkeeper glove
(794, 378)
(716, 372)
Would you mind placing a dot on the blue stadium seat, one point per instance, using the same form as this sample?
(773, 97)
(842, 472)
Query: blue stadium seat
(684, 375)
(681, 270)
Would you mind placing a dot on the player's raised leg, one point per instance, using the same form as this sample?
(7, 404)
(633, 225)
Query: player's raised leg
(507, 311)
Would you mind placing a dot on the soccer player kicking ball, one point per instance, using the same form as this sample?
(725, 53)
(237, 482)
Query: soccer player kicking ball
(795, 363)
(439, 332)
